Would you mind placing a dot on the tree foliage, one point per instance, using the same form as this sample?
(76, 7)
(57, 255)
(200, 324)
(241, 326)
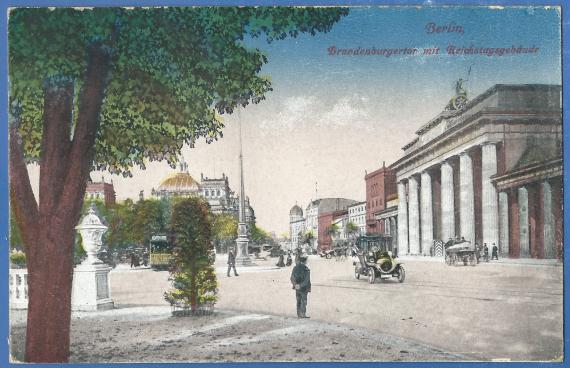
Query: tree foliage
(109, 89)
(259, 235)
(173, 70)
(192, 271)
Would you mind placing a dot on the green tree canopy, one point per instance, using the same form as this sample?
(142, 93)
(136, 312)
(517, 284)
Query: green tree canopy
(108, 89)
(171, 71)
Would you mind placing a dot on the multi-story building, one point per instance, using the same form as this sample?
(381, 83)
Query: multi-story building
(357, 215)
(216, 191)
(101, 190)
(380, 184)
(296, 226)
(388, 222)
(325, 220)
(322, 206)
(489, 170)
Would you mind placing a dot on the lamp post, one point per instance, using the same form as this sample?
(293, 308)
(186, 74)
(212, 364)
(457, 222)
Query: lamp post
(242, 241)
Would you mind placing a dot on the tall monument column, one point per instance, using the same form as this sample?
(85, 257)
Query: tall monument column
(242, 241)
(414, 216)
(426, 213)
(490, 211)
(402, 219)
(447, 202)
(466, 197)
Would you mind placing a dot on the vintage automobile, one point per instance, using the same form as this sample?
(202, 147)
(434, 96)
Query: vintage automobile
(461, 252)
(378, 264)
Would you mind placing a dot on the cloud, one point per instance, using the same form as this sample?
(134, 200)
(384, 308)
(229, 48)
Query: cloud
(352, 110)
(294, 112)
(304, 111)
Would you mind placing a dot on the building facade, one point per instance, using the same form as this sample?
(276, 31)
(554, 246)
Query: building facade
(216, 191)
(489, 171)
(318, 207)
(101, 190)
(388, 222)
(325, 220)
(380, 184)
(296, 226)
(357, 215)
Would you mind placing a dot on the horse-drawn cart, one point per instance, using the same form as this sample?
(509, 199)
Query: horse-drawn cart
(462, 252)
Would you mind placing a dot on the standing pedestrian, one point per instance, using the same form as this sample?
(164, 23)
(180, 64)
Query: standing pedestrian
(232, 262)
(486, 252)
(301, 280)
(494, 252)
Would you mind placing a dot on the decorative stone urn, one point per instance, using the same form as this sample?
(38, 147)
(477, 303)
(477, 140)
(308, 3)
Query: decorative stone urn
(91, 287)
(91, 230)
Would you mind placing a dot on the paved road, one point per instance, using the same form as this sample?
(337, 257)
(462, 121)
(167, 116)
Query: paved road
(491, 311)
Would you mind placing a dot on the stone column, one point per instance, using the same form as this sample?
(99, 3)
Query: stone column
(414, 216)
(466, 198)
(549, 249)
(524, 239)
(426, 213)
(402, 219)
(490, 210)
(447, 202)
(503, 223)
(394, 232)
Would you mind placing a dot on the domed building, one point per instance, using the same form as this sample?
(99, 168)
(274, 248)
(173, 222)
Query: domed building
(296, 225)
(180, 184)
(215, 190)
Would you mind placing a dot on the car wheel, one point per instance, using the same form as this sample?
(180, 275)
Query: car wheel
(371, 275)
(401, 274)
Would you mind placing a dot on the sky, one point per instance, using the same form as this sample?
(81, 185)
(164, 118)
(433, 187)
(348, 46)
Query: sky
(331, 118)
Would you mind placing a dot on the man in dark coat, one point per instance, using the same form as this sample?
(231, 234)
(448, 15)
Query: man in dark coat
(495, 252)
(486, 252)
(232, 262)
(301, 280)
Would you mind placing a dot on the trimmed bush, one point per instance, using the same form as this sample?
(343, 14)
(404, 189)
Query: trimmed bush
(192, 270)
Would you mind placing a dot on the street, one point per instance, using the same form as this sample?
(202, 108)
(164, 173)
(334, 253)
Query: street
(491, 311)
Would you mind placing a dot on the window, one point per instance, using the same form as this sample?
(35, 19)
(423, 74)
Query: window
(207, 193)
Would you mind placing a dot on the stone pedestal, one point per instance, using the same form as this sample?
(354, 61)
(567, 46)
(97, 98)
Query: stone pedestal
(242, 242)
(91, 288)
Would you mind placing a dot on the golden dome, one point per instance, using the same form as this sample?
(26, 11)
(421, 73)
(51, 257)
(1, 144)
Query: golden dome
(181, 181)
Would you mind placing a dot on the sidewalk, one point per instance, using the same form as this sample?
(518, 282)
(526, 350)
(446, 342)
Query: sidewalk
(502, 260)
(151, 334)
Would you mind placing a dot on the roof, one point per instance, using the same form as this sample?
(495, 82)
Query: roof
(179, 181)
(332, 204)
(296, 211)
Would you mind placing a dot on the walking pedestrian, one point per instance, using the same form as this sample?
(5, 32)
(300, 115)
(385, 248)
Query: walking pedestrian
(494, 252)
(301, 280)
(232, 262)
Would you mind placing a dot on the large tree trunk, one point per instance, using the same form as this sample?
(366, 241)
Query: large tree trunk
(48, 229)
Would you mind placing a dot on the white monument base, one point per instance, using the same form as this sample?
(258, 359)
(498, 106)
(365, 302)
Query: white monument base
(91, 288)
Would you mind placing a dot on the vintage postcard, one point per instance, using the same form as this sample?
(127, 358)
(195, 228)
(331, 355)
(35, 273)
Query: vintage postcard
(285, 184)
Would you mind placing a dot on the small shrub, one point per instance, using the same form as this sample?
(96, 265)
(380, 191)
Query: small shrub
(18, 260)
